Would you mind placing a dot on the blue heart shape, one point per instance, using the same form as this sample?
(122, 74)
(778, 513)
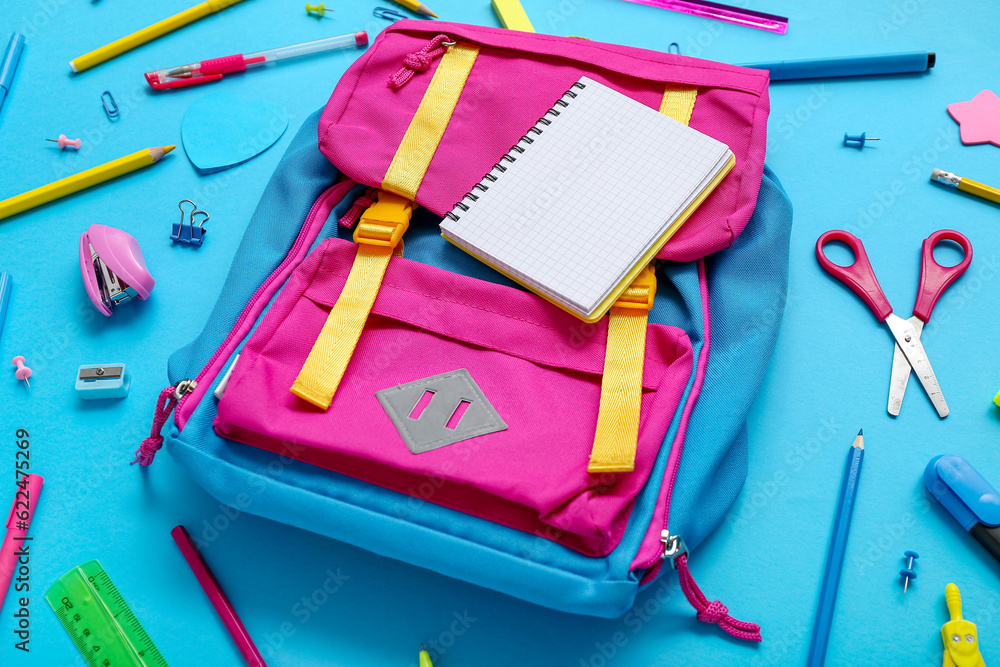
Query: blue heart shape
(223, 130)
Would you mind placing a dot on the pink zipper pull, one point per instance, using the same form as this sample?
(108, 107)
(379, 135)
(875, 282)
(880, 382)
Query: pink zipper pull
(165, 404)
(360, 205)
(419, 61)
(708, 612)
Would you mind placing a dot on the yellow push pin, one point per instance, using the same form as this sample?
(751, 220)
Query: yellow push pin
(319, 10)
(425, 658)
(961, 641)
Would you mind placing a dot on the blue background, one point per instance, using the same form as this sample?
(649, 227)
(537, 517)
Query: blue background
(829, 374)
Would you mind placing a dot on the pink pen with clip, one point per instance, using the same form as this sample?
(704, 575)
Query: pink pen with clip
(223, 607)
(214, 69)
(18, 521)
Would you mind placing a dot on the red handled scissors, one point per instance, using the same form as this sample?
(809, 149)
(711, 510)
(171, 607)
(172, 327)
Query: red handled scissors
(934, 280)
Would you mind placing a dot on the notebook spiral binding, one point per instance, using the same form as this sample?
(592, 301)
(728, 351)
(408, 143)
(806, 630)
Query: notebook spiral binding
(518, 148)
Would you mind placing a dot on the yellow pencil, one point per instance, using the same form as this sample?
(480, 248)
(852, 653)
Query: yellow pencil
(118, 47)
(416, 6)
(966, 185)
(85, 179)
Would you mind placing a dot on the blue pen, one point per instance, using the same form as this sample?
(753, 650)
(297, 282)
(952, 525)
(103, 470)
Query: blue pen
(889, 63)
(10, 59)
(5, 285)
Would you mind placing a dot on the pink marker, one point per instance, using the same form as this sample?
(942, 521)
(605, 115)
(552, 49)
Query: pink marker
(18, 521)
(64, 142)
(223, 607)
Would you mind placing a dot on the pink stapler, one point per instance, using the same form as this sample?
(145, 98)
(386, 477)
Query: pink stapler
(113, 268)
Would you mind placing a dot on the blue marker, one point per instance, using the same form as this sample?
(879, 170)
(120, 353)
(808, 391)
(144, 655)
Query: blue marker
(968, 497)
(890, 63)
(9, 64)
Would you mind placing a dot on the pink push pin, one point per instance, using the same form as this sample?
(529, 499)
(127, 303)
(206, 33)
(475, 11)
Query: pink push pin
(22, 372)
(64, 142)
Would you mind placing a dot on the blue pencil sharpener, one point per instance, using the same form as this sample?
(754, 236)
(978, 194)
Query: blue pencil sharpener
(97, 381)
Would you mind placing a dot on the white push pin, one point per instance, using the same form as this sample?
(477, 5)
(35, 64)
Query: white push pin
(22, 372)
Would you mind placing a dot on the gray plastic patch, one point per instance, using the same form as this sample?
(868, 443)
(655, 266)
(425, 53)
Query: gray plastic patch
(422, 411)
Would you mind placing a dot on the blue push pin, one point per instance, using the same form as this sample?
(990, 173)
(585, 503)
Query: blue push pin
(857, 139)
(907, 573)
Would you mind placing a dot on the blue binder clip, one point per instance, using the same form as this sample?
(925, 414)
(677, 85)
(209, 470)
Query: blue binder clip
(97, 381)
(969, 498)
(189, 232)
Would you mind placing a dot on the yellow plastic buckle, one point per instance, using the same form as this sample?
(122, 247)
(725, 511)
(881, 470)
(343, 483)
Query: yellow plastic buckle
(385, 221)
(639, 295)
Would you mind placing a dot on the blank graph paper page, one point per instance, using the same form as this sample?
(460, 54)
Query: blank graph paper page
(575, 206)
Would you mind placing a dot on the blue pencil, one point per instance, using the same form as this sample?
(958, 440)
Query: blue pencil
(835, 559)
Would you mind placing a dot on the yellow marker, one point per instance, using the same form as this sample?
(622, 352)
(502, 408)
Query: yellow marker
(511, 15)
(118, 47)
(85, 179)
(961, 641)
(416, 6)
(966, 185)
(425, 658)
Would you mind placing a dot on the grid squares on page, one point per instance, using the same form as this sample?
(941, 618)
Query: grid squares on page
(588, 196)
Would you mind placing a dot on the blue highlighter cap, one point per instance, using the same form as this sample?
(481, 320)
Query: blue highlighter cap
(963, 491)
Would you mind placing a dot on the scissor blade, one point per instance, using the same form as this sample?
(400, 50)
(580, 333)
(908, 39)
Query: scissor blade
(909, 342)
(901, 371)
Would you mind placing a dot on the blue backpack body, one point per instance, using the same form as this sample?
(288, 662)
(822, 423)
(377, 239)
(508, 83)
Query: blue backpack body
(746, 289)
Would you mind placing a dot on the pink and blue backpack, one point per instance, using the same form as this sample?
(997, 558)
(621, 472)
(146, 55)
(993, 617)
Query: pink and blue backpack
(458, 431)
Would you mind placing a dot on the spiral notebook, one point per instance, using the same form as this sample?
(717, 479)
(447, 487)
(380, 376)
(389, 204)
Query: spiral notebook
(587, 197)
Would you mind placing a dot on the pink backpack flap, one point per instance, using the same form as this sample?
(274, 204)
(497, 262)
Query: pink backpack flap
(525, 355)
(514, 78)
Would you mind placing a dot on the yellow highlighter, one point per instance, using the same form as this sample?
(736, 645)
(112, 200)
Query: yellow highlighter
(512, 15)
(84, 179)
(966, 185)
(118, 47)
(961, 641)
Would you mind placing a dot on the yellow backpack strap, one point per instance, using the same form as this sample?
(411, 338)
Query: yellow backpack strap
(621, 387)
(678, 102)
(378, 234)
(424, 133)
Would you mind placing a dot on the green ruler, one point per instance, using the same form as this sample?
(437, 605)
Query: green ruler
(99, 620)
